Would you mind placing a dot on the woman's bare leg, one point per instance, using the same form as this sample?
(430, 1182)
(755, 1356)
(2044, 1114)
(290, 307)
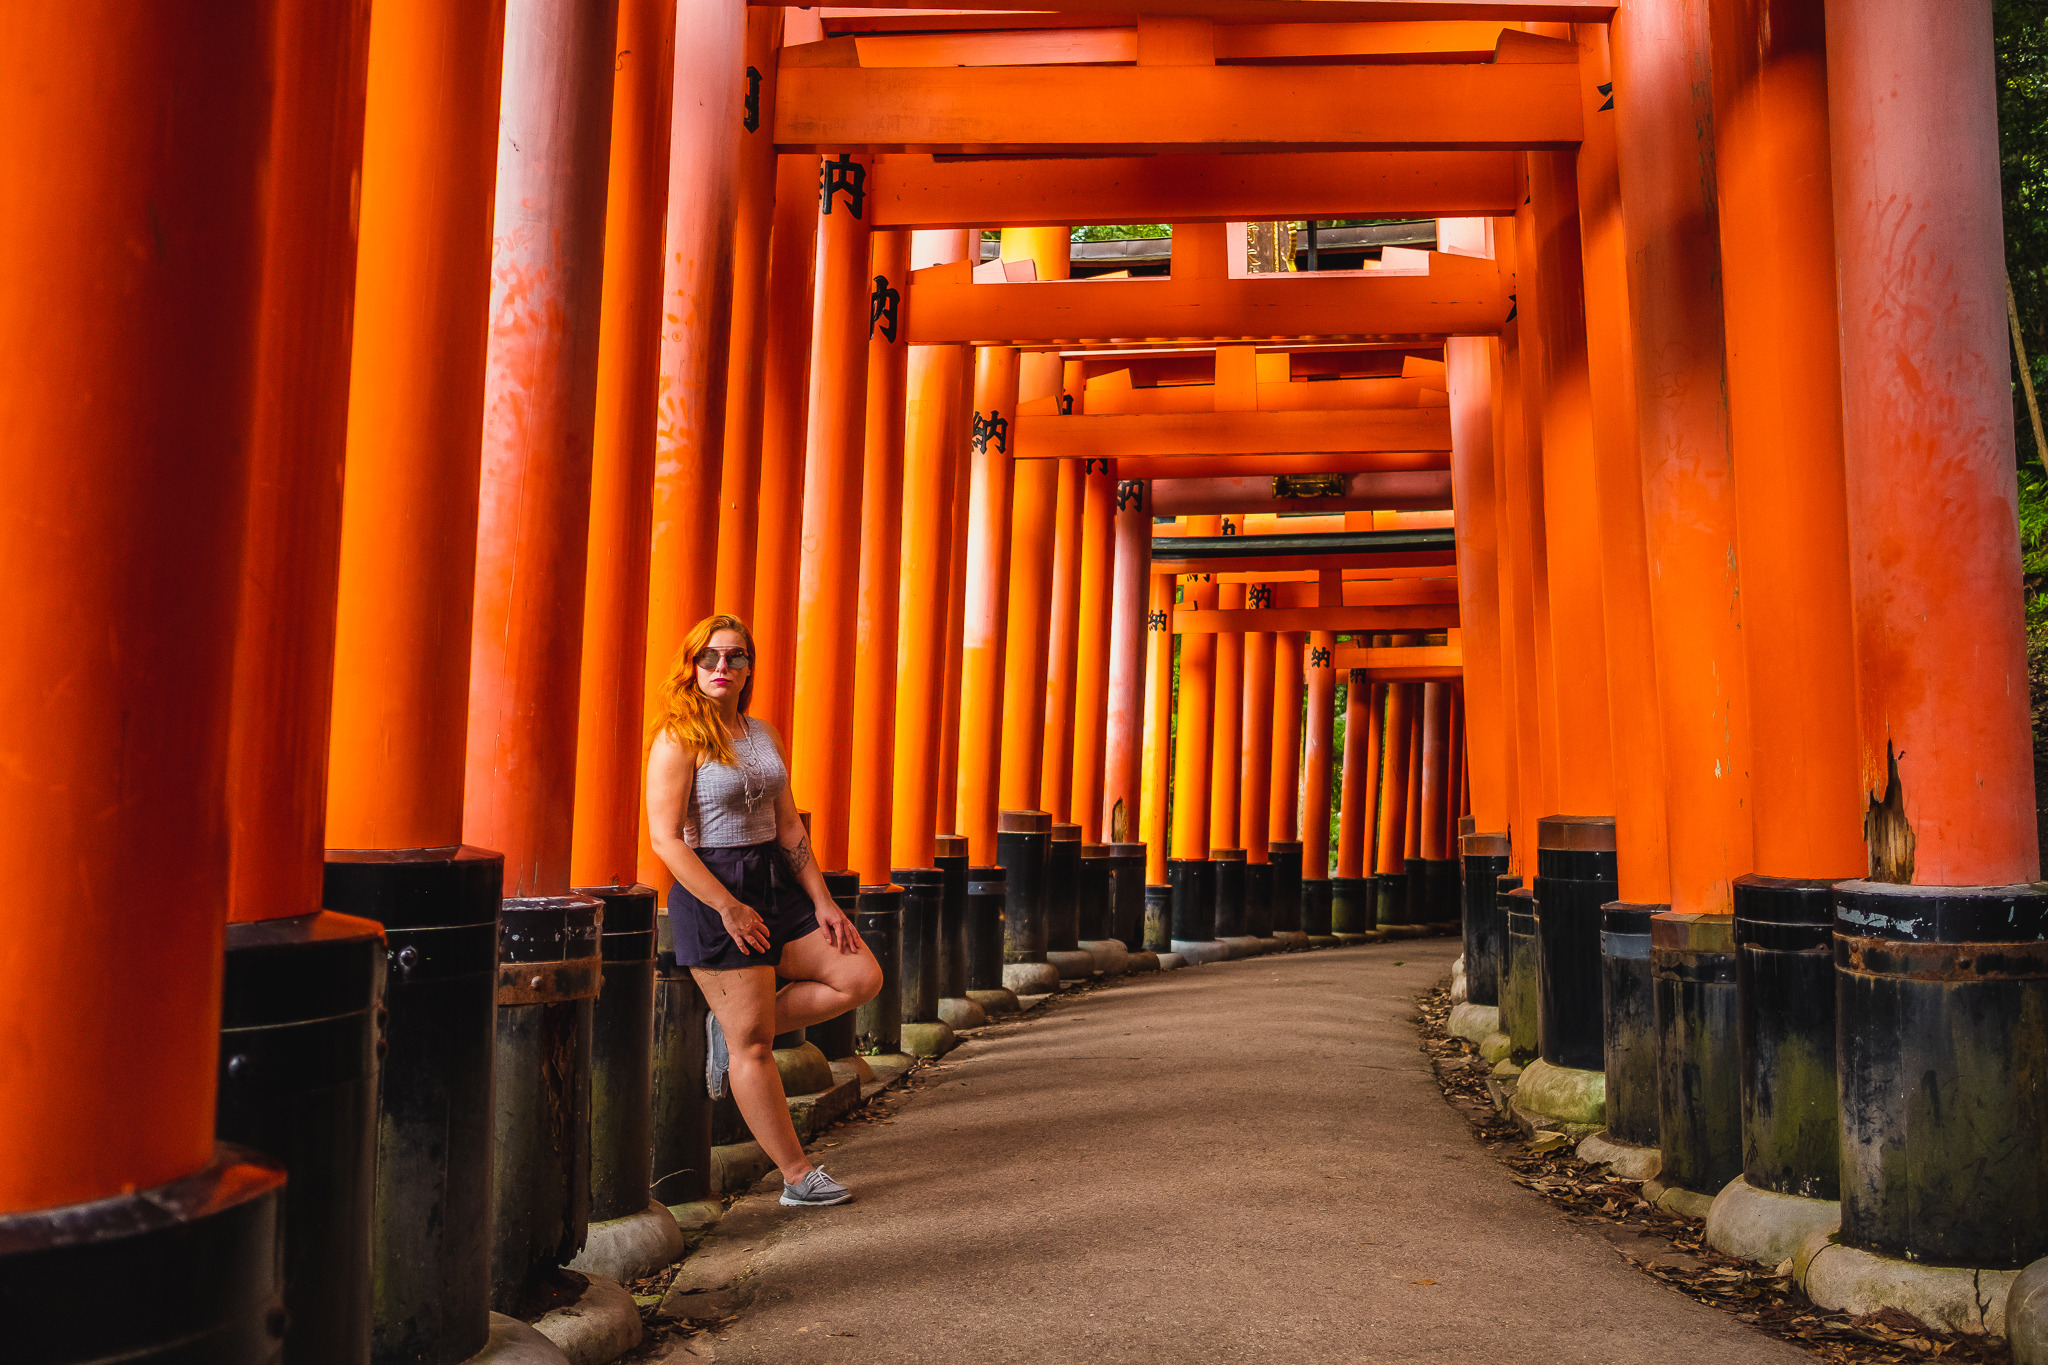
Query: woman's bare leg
(824, 983)
(743, 999)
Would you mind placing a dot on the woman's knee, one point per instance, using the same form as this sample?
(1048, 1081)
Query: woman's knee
(864, 981)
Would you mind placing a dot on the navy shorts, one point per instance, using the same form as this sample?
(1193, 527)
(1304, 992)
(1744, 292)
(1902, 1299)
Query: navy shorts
(758, 877)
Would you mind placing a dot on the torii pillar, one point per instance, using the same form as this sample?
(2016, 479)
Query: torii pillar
(401, 680)
(1321, 719)
(1957, 1173)
(533, 524)
(123, 489)
(1665, 131)
(1283, 796)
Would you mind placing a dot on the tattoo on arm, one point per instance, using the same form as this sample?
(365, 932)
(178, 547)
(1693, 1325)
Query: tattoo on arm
(800, 856)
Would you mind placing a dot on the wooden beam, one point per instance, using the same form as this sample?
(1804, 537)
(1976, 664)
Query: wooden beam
(1403, 430)
(1406, 663)
(1097, 44)
(1081, 109)
(1457, 296)
(1239, 466)
(920, 192)
(1297, 11)
(1360, 619)
(1376, 561)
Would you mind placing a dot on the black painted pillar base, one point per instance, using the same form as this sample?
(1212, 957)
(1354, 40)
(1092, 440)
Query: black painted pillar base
(1158, 936)
(834, 1036)
(924, 894)
(1352, 905)
(1785, 990)
(298, 1081)
(622, 1056)
(1317, 907)
(1390, 899)
(549, 969)
(1518, 969)
(1127, 895)
(1628, 1004)
(1229, 874)
(190, 1271)
(1285, 856)
(1063, 889)
(1942, 994)
(951, 859)
(1258, 900)
(1194, 899)
(1699, 1065)
(878, 1025)
(1575, 876)
(682, 1105)
(1095, 918)
(1419, 911)
(1486, 862)
(431, 1290)
(1023, 840)
(988, 893)
(1441, 896)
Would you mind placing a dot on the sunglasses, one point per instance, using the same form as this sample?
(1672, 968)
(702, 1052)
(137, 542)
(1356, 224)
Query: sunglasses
(708, 659)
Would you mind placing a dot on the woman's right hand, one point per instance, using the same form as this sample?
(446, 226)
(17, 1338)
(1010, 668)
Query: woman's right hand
(747, 928)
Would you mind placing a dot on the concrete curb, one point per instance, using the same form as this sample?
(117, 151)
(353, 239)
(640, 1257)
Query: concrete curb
(1675, 1199)
(602, 1325)
(961, 1013)
(1199, 952)
(1764, 1226)
(1002, 1000)
(2026, 1315)
(1111, 957)
(1071, 966)
(929, 1039)
(698, 1214)
(1624, 1159)
(1141, 961)
(513, 1342)
(1953, 1298)
(1242, 946)
(1170, 962)
(631, 1247)
(1474, 1023)
(1030, 978)
(1566, 1094)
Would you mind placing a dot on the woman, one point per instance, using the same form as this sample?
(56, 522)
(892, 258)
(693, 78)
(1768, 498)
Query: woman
(749, 900)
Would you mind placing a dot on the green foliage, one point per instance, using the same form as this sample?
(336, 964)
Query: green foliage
(1122, 232)
(2020, 39)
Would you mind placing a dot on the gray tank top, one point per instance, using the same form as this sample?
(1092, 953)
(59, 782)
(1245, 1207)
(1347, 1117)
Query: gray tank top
(733, 805)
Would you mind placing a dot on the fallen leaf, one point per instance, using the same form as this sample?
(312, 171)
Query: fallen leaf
(1418, 1281)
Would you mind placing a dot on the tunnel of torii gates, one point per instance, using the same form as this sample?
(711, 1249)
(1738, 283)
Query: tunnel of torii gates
(390, 386)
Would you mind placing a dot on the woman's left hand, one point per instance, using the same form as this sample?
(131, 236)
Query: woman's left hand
(839, 930)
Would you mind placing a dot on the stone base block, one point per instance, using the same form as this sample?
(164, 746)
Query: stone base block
(929, 1040)
(514, 1343)
(1763, 1226)
(1496, 1047)
(995, 1002)
(1292, 940)
(890, 1066)
(1111, 957)
(959, 1013)
(1074, 966)
(1563, 1093)
(698, 1214)
(1171, 962)
(855, 1067)
(602, 1325)
(1953, 1298)
(1242, 946)
(804, 1069)
(1628, 1162)
(1322, 940)
(1475, 1023)
(1676, 1199)
(735, 1166)
(1404, 930)
(1358, 940)
(1197, 952)
(2026, 1315)
(814, 1113)
(1141, 962)
(1031, 978)
(631, 1247)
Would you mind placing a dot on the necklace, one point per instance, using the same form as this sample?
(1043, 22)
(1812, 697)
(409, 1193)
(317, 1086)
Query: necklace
(748, 765)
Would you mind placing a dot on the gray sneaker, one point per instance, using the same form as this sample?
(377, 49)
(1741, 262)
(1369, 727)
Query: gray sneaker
(815, 1191)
